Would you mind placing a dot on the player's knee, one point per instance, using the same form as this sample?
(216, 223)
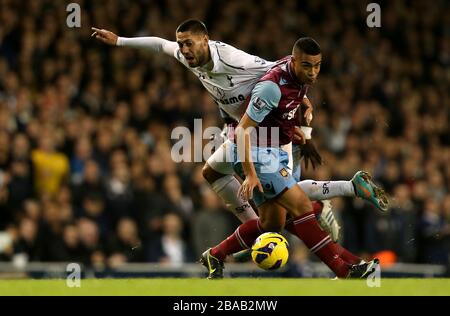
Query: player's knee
(206, 172)
(303, 206)
(210, 174)
(271, 225)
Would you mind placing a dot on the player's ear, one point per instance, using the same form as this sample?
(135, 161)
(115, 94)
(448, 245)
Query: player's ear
(293, 60)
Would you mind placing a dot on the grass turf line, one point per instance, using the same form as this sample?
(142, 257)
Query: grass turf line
(226, 287)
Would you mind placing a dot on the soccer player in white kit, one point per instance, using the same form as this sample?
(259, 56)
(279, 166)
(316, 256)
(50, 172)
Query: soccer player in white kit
(229, 75)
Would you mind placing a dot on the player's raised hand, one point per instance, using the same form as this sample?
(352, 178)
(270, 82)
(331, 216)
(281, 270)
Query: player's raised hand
(104, 36)
(307, 109)
(246, 189)
(308, 115)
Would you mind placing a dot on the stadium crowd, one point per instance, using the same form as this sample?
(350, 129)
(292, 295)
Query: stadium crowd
(85, 167)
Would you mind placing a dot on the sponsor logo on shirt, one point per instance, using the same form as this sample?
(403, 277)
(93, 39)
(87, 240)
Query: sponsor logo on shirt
(290, 115)
(232, 100)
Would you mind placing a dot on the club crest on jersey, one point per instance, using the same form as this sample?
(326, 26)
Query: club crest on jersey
(219, 93)
(260, 60)
(284, 172)
(283, 81)
(259, 104)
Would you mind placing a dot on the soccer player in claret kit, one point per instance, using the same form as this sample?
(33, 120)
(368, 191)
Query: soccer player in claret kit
(274, 102)
(229, 75)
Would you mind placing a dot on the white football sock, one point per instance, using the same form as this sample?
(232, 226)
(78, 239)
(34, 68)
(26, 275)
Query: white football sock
(227, 188)
(324, 190)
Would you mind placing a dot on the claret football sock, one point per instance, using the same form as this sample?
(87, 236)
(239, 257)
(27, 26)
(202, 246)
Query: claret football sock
(319, 242)
(347, 256)
(242, 238)
(317, 210)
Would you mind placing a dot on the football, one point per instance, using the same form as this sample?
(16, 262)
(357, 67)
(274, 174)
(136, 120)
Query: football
(270, 251)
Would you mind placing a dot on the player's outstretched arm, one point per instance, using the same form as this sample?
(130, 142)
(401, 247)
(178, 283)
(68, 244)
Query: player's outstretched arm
(152, 43)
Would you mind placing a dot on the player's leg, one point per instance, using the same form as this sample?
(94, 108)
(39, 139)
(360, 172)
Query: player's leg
(272, 218)
(306, 227)
(272, 215)
(361, 185)
(322, 207)
(246, 233)
(271, 168)
(219, 173)
(242, 238)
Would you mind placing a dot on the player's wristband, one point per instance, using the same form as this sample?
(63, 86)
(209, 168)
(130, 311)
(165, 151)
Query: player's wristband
(307, 131)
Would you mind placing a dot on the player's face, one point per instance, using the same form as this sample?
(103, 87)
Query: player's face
(194, 48)
(306, 67)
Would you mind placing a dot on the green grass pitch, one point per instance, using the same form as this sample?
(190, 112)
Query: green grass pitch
(226, 287)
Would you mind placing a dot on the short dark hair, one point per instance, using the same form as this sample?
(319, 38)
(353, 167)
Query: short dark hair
(195, 26)
(307, 45)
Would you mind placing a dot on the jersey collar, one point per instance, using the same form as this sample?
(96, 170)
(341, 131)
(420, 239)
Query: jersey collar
(214, 60)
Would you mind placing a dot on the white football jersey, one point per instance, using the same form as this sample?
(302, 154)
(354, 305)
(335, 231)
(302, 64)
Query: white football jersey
(232, 77)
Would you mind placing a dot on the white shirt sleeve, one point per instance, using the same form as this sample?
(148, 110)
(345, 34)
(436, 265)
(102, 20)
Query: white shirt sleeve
(155, 44)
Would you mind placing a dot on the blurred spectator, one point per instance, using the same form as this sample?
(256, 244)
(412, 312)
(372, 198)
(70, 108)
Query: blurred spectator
(28, 243)
(8, 239)
(174, 195)
(91, 183)
(211, 224)
(433, 233)
(149, 204)
(170, 248)
(51, 168)
(394, 231)
(83, 152)
(93, 247)
(68, 248)
(93, 208)
(119, 193)
(127, 247)
(21, 182)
